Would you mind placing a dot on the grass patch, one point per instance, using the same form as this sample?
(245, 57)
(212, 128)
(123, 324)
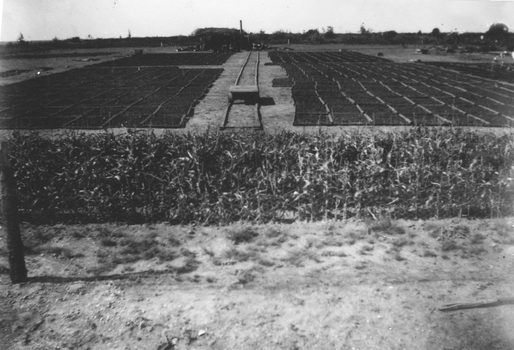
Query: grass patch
(450, 245)
(273, 232)
(365, 249)
(355, 236)
(361, 265)
(240, 235)
(477, 238)
(333, 241)
(398, 257)
(188, 253)
(208, 252)
(173, 241)
(339, 254)
(475, 251)
(34, 238)
(298, 257)
(131, 249)
(394, 250)
(58, 251)
(313, 242)
(190, 266)
(386, 226)
(462, 230)
(265, 262)
(272, 237)
(435, 233)
(108, 242)
(239, 254)
(502, 228)
(247, 276)
(428, 254)
(76, 234)
(504, 231)
(433, 229)
(400, 242)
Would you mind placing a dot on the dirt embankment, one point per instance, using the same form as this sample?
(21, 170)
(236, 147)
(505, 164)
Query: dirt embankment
(345, 285)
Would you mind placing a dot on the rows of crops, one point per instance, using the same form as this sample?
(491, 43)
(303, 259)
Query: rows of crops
(331, 56)
(151, 95)
(174, 59)
(494, 70)
(335, 88)
(220, 178)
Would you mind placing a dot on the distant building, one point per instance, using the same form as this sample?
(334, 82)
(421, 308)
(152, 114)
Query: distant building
(221, 39)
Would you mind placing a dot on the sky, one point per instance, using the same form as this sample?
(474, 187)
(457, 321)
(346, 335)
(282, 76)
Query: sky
(49, 19)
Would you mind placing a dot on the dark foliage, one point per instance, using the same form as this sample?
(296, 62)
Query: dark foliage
(222, 178)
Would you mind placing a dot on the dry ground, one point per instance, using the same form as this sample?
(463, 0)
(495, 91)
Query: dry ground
(327, 285)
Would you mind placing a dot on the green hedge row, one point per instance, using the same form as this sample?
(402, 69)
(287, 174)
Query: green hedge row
(218, 178)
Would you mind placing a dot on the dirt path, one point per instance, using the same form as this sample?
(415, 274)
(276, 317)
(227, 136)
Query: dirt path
(331, 285)
(209, 113)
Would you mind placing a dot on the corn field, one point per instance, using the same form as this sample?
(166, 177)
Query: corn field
(217, 178)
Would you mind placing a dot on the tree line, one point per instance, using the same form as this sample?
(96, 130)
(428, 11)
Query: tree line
(497, 37)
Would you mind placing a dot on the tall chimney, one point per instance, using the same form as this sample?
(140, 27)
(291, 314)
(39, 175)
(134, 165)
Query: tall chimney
(241, 34)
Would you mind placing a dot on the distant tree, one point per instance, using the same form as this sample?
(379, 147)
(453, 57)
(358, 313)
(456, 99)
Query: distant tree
(329, 34)
(21, 38)
(55, 39)
(129, 34)
(497, 30)
(364, 30)
(435, 32)
(90, 37)
(311, 34)
(389, 34)
(420, 33)
(261, 35)
(280, 34)
(74, 39)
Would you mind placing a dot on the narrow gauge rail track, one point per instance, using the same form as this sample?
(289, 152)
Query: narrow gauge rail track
(243, 110)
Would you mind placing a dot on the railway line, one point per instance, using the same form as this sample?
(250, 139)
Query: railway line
(243, 107)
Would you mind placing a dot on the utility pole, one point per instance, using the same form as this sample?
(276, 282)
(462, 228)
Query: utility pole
(9, 211)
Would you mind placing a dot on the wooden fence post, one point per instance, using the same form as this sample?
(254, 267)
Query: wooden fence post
(9, 210)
